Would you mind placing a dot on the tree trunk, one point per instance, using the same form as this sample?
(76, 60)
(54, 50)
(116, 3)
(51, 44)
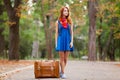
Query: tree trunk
(35, 49)
(2, 39)
(13, 28)
(99, 42)
(105, 50)
(14, 41)
(48, 33)
(50, 55)
(100, 47)
(48, 36)
(92, 30)
(111, 50)
(2, 43)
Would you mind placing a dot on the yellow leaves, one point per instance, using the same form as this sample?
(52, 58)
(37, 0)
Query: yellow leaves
(25, 16)
(10, 23)
(18, 14)
(105, 20)
(77, 4)
(101, 8)
(44, 2)
(117, 36)
(110, 8)
(112, 28)
(25, 8)
(51, 1)
(116, 9)
(93, 0)
(25, 1)
(100, 14)
(18, 10)
(99, 31)
(116, 32)
(21, 8)
(53, 10)
(85, 0)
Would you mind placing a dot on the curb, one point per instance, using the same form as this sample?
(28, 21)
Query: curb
(5, 74)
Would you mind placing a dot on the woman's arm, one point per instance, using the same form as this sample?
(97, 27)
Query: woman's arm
(71, 43)
(56, 33)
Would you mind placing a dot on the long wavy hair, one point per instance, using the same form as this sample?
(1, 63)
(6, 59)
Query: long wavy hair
(69, 20)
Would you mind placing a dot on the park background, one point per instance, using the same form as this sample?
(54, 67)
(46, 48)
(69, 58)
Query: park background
(27, 29)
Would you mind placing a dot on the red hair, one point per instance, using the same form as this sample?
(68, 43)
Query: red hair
(67, 17)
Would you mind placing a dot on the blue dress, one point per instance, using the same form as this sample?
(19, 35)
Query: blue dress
(64, 38)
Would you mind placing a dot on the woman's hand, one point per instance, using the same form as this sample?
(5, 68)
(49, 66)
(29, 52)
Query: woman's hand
(71, 44)
(56, 33)
(56, 44)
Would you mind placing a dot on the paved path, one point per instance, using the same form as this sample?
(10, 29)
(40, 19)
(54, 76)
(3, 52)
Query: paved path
(78, 70)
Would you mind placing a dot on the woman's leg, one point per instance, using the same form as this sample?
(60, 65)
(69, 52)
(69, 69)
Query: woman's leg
(62, 63)
(66, 57)
(63, 59)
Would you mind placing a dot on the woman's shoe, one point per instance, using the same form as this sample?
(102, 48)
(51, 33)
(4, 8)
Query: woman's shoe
(63, 76)
(60, 74)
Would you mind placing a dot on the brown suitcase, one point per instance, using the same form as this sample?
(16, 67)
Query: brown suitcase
(46, 68)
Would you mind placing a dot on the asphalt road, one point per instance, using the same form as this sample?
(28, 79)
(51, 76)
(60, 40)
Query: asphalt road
(78, 70)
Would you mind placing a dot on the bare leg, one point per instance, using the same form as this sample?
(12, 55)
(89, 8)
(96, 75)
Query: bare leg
(62, 63)
(66, 57)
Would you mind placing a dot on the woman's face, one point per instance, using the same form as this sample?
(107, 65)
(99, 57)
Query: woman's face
(65, 12)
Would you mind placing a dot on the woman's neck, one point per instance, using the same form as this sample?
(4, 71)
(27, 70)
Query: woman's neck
(64, 17)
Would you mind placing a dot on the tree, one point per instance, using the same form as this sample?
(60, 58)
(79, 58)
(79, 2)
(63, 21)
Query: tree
(13, 11)
(108, 30)
(45, 9)
(92, 29)
(2, 39)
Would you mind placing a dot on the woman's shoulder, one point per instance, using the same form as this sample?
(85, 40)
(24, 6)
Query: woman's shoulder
(57, 21)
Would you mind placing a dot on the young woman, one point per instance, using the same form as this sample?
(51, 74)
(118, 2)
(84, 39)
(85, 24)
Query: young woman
(64, 37)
